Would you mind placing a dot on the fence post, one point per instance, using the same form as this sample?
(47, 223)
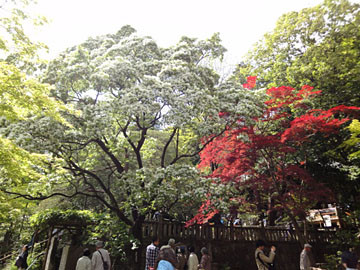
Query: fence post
(160, 229)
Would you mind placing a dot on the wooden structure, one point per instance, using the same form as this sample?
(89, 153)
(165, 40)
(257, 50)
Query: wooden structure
(234, 247)
(56, 232)
(227, 244)
(166, 230)
(326, 217)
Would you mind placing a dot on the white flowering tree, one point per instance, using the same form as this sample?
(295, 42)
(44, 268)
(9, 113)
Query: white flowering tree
(143, 115)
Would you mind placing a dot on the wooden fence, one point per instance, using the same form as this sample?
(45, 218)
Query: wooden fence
(166, 229)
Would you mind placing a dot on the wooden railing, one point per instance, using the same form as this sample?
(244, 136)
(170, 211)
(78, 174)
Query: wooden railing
(177, 230)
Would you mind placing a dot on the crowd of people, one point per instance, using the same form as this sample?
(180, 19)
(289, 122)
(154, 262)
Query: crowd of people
(177, 257)
(100, 259)
(349, 259)
(173, 256)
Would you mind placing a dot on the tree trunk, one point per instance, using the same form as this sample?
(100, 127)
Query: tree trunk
(271, 212)
(136, 230)
(300, 235)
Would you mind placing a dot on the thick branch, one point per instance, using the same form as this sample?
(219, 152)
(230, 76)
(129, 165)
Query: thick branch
(41, 197)
(117, 163)
(201, 148)
(139, 144)
(166, 146)
(114, 207)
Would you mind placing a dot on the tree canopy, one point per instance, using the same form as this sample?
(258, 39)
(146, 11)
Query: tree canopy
(265, 162)
(318, 46)
(141, 112)
(21, 97)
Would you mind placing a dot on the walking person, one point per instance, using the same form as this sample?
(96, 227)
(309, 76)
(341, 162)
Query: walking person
(152, 252)
(264, 262)
(100, 259)
(181, 258)
(84, 262)
(21, 261)
(205, 262)
(193, 260)
(305, 262)
(349, 259)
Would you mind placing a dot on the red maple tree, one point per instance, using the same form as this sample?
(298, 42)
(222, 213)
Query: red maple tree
(266, 160)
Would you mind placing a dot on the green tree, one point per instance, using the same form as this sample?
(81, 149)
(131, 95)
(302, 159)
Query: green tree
(21, 95)
(142, 112)
(318, 46)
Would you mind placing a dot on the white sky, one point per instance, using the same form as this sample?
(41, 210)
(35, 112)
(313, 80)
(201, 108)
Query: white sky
(240, 23)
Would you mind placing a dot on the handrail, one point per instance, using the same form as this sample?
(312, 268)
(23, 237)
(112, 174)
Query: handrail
(35, 259)
(12, 253)
(165, 229)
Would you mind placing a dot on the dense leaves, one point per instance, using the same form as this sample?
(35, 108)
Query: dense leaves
(141, 112)
(267, 160)
(21, 96)
(318, 46)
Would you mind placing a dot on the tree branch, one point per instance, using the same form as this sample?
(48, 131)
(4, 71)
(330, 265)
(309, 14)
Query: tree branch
(39, 198)
(117, 163)
(166, 146)
(201, 148)
(114, 206)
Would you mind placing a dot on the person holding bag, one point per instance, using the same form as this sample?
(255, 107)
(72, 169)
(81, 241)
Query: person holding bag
(100, 258)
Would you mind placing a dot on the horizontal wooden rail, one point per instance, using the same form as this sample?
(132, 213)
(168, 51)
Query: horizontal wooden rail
(166, 229)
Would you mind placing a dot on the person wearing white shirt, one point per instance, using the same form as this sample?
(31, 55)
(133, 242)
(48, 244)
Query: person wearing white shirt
(84, 262)
(193, 260)
(305, 262)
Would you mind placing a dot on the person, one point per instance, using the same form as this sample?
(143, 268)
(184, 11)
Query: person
(152, 252)
(264, 262)
(100, 258)
(171, 244)
(193, 260)
(84, 262)
(181, 258)
(165, 265)
(237, 222)
(305, 262)
(21, 261)
(205, 262)
(349, 259)
(167, 253)
(157, 216)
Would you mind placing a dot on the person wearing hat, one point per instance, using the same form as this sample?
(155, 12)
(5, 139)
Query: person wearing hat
(171, 244)
(84, 262)
(100, 259)
(167, 257)
(264, 262)
(305, 262)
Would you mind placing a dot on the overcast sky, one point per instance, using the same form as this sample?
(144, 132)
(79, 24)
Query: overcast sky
(240, 23)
